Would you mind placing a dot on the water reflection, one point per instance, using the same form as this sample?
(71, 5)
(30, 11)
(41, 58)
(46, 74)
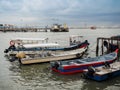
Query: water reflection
(104, 85)
(40, 75)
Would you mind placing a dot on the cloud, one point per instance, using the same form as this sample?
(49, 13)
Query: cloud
(49, 11)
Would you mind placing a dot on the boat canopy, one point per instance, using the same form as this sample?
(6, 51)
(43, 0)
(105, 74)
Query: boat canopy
(28, 39)
(40, 45)
(74, 36)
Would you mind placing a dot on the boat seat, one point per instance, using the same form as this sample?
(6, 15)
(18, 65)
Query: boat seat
(97, 70)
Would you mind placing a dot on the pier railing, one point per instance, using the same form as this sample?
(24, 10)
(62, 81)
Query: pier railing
(24, 29)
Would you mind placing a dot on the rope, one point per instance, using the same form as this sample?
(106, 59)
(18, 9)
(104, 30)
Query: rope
(91, 48)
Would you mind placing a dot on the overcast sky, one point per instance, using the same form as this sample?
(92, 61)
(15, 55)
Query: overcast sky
(72, 12)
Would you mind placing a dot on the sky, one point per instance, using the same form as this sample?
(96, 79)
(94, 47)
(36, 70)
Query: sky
(71, 12)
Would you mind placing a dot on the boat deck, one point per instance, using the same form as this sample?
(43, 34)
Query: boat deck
(40, 58)
(103, 70)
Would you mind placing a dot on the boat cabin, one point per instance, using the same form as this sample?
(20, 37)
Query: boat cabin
(29, 40)
(75, 39)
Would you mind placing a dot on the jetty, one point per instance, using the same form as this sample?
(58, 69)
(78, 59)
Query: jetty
(114, 40)
(24, 29)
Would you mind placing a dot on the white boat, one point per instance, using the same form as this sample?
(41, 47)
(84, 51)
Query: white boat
(108, 71)
(19, 44)
(28, 40)
(47, 56)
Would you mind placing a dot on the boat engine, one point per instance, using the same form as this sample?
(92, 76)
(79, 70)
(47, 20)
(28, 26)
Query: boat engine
(91, 71)
(55, 65)
(6, 51)
(107, 65)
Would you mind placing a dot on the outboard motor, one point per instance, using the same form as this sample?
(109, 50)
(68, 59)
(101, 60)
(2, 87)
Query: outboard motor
(55, 65)
(91, 71)
(86, 41)
(6, 51)
(13, 58)
(12, 47)
(107, 65)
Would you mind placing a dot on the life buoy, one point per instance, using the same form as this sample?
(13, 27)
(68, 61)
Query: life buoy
(12, 43)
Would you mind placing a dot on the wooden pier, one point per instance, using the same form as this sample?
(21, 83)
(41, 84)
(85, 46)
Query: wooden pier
(24, 29)
(112, 40)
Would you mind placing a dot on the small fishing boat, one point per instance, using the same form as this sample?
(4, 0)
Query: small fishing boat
(93, 27)
(79, 65)
(19, 44)
(102, 73)
(46, 55)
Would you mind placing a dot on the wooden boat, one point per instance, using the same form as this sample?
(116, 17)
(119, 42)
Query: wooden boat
(102, 73)
(47, 56)
(79, 65)
(17, 44)
(15, 48)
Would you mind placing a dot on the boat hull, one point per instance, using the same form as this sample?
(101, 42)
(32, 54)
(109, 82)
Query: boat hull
(79, 69)
(67, 56)
(13, 52)
(105, 74)
(79, 65)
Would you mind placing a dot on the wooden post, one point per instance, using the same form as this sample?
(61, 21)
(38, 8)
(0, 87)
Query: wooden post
(102, 46)
(108, 51)
(97, 47)
(111, 41)
(117, 43)
(118, 50)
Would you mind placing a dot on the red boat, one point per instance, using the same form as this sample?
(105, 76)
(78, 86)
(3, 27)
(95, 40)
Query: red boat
(79, 65)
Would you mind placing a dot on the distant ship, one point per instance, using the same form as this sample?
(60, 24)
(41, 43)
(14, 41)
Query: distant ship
(92, 27)
(59, 28)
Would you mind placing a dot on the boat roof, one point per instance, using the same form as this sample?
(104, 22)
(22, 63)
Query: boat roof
(37, 39)
(116, 37)
(40, 45)
(74, 36)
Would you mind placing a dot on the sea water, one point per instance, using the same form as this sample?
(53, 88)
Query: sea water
(39, 76)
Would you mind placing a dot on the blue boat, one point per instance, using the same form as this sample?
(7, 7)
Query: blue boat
(102, 73)
(79, 65)
(19, 44)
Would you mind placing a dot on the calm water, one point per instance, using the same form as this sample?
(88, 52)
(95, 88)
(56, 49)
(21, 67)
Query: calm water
(40, 77)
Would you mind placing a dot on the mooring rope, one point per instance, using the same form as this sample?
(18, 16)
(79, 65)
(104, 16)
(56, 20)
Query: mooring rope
(91, 48)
